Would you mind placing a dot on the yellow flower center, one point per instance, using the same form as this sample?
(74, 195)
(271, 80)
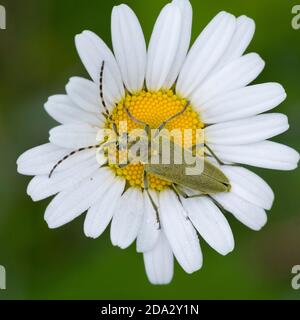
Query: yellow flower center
(153, 108)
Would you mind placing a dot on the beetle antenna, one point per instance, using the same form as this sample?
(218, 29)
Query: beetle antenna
(70, 155)
(101, 88)
(107, 113)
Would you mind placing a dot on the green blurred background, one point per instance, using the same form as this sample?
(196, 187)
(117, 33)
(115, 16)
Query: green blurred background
(37, 56)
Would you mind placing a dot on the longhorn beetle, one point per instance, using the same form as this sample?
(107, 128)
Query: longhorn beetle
(211, 180)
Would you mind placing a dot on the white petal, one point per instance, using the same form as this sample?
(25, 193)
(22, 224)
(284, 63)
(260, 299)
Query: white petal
(180, 232)
(248, 130)
(149, 231)
(242, 103)
(41, 187)
(163, 46)
(93, 51)
(74, 135)
(69, 204)
(205, 53)
(159, 262)
(250, 215)
(265, 154)
(85, 94)
(249, 186)
(127, 219)
(62, 109)
(237, 74)
(184, 42)
(129, 47)
(210, 223)
(40, 160)
(100, 214)
(244, 32)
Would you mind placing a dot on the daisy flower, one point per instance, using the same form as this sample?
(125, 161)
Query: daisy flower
(156, 83)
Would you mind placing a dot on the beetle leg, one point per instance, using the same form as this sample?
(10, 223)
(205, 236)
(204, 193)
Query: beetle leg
(220, 162)
(183, 194)
(164, 123)
(154, 205)
(134, 119)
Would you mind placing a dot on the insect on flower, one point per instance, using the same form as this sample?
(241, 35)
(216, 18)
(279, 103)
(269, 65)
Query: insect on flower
(153, 144)
(207, 180)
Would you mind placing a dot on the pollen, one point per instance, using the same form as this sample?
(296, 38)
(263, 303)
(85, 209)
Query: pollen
(153, 108)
